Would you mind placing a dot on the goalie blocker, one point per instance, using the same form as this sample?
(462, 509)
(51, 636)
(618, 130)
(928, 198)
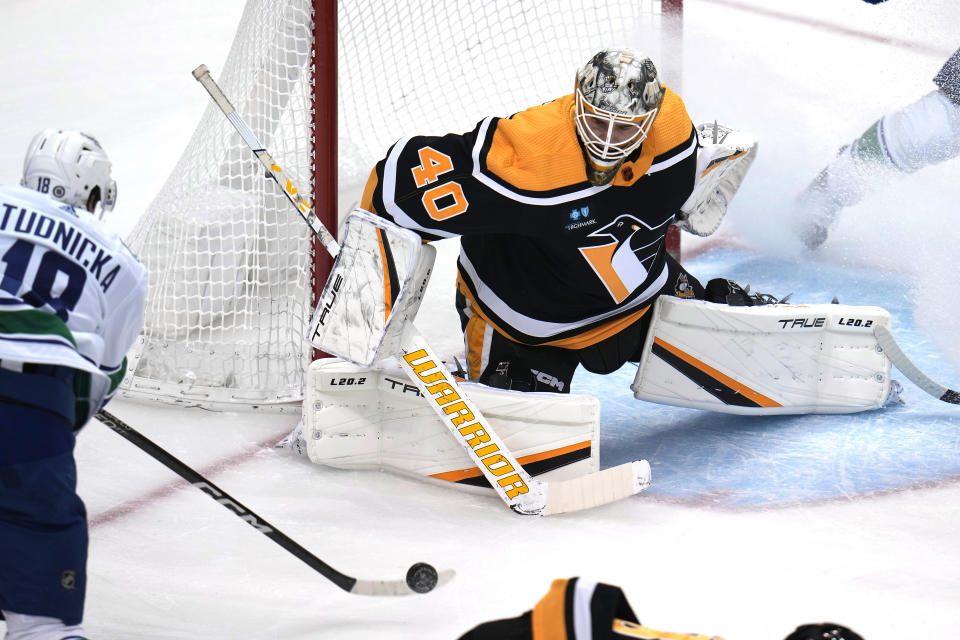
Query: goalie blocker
(770, 359)
(374, 290)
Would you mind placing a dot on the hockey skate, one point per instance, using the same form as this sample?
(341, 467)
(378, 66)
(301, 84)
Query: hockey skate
(839, 185)
(293, 441)
(824, 631)
(815, 212)
(728, 292)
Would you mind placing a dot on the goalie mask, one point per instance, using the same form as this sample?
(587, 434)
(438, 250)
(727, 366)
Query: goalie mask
(70, 166)
(618, 95)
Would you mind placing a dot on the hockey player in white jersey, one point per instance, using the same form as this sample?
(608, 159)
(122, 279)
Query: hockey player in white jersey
(71, 305)
(922, 133)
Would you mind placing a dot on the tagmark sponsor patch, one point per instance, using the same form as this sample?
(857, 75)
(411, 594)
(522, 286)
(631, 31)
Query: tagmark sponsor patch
(580, 218)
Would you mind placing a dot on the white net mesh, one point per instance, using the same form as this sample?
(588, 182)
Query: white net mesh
(230, 285)
(229, 264)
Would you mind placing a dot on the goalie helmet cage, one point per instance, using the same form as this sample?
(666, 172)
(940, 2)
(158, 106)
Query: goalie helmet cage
(328, 87)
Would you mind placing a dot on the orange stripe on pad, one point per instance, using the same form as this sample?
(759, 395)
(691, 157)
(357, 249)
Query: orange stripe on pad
(739, 387)
(386, 278)
(721, 161)
(473, 472)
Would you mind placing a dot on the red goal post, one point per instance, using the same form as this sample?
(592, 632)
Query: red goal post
(328, 87)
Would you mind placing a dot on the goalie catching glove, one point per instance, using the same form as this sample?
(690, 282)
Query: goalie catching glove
(723, 159)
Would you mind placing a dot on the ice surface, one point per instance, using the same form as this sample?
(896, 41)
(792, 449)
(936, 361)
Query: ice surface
(751, 526)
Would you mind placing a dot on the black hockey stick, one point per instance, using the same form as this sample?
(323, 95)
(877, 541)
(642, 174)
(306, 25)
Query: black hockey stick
(906, 366)
(421, 577)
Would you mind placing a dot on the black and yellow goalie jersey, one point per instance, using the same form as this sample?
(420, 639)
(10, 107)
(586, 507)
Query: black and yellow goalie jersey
(576, 609)
(546, 257)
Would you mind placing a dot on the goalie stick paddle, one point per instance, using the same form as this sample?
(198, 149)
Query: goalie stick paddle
(463, 419)
(900, 360)
(421, 577)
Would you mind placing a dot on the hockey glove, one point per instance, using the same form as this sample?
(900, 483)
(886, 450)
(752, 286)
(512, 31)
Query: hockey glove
(723, 159)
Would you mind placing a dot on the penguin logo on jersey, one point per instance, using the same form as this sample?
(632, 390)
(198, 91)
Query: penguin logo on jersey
(621, 263)
(683, 289)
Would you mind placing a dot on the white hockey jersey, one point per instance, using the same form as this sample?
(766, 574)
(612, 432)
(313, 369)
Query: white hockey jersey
(71, 293)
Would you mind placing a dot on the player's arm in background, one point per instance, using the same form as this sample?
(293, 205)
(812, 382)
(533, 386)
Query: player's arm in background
(903, 141)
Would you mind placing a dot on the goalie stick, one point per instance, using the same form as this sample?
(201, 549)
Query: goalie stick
(905, 365)
(420, 578)
(462, 418)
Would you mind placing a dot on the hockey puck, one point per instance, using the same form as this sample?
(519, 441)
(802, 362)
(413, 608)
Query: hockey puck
(422, 577)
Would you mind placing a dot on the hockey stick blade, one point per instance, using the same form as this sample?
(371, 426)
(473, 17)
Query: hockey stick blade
(350, 584)
(466, 424)
(522, 493)
(598, 488)
(900, 360)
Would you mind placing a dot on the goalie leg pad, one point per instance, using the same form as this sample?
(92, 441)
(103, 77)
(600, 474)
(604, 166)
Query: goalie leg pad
(358, 417)
(771, 359)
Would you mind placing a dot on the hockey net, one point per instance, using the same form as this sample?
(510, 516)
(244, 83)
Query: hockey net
(233, 271)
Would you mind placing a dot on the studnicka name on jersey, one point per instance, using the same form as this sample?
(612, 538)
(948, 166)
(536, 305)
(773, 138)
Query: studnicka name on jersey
(82, 249)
